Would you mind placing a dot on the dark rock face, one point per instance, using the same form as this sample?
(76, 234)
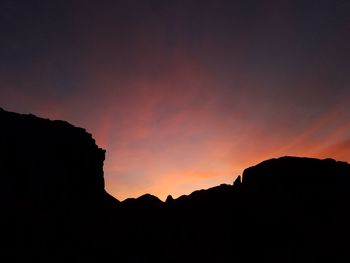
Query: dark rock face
(43, 158)
(51, 187)
(298, 207)
(54, 207)
(289, 173)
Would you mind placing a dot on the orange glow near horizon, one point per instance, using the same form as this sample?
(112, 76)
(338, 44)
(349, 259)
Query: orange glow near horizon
(173, 136)
(178, 156)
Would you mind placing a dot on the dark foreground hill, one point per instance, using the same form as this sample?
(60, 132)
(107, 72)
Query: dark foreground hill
(54, 207)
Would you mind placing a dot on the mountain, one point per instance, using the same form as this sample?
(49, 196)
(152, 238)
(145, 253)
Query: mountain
(54, 207)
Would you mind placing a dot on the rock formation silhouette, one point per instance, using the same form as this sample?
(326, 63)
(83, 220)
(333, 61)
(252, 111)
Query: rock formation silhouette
(54, 207)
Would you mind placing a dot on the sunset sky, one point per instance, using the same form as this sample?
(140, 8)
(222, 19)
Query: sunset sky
(183, 95)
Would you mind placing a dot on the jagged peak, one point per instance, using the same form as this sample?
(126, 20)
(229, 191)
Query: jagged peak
(169, 199)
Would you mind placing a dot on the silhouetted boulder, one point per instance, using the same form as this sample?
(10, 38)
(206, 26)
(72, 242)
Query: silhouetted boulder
(169, 199)
(297, 205)
(293, 171)
(237, 182)
(148, 199)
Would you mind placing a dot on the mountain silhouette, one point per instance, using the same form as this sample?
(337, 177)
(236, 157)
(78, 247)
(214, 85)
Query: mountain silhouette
(54, 207)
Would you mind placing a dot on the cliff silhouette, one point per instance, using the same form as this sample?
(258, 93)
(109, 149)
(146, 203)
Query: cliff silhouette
(54, 207)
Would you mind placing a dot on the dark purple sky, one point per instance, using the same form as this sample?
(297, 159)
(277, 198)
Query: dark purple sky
(183, 94)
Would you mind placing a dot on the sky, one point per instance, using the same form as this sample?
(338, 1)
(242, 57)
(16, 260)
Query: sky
(183, 95)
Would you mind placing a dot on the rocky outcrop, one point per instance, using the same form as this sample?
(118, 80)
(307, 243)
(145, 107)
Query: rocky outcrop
(48, 160)
(52, 188)
(288, 173)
